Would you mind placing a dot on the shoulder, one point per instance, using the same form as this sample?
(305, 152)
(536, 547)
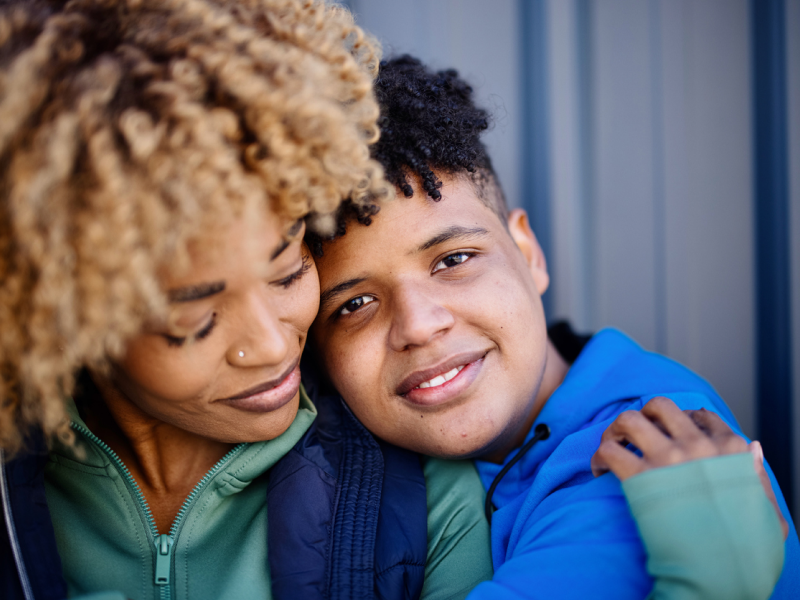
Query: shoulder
(453, 484)
(459, 550)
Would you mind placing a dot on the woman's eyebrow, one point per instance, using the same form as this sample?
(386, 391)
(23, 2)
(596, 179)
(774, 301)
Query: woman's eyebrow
(451, 233)
(293, 231)
(195, 292)
(279, 250)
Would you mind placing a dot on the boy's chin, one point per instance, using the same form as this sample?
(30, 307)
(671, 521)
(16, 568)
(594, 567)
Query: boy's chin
(460, 449)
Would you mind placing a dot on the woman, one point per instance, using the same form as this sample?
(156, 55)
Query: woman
(157, 158)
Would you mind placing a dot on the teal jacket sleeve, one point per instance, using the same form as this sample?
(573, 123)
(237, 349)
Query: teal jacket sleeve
(709, 529)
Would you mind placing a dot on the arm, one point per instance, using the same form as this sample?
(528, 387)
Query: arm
(699, 501)
(573, 535)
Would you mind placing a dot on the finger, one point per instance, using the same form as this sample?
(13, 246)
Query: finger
(709, 422)
(758, 462)
(672, 419)
(632, 426)
(611, 456)
(725, 439)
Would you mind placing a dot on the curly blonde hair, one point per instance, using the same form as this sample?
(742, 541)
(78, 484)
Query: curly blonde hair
(130, 127)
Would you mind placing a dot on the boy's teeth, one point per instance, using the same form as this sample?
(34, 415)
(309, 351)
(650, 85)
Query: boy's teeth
(440, 379)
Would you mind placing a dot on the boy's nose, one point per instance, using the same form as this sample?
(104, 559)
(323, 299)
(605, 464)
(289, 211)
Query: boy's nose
(264, 338)
(417, 320)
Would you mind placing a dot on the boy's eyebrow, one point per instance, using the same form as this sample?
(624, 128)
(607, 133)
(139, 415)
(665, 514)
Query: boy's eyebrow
(195, 292)
(326, 297)
(451, 233)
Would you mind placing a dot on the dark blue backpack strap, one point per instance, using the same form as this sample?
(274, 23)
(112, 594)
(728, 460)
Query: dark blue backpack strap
(34, 530)
(401, 546)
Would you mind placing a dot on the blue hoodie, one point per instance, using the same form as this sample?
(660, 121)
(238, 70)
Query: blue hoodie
(559, 532)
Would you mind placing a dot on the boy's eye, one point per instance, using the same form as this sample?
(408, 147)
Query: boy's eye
(355, 304)
(452, 260)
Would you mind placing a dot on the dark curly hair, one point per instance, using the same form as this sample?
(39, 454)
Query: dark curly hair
(429, 124)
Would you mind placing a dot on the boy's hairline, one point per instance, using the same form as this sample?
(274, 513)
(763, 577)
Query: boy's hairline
(483, 192)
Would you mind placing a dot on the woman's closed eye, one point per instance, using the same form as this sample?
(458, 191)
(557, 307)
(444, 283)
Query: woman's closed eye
(173, 340)
(452, 260)
(287, 282)
(354, 304)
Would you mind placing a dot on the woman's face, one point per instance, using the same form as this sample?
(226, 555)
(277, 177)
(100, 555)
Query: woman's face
(226, 366)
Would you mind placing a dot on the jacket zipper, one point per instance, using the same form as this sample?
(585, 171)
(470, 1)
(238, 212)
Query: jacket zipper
(162, 543)
(24, 581)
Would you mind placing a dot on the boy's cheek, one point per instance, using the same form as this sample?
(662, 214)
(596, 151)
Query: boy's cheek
(348, 365)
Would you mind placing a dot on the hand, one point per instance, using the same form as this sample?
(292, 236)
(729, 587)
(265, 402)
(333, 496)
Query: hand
(666, 436)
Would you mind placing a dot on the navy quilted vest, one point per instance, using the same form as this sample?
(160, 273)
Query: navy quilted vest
(347, 514)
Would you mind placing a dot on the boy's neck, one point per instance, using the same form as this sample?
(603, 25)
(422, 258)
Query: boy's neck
(555, 371)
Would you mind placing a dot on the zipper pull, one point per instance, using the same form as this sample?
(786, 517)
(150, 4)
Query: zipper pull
(163, 555)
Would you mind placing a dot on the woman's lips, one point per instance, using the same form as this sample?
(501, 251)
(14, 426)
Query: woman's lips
(450, 381)
(268, 396)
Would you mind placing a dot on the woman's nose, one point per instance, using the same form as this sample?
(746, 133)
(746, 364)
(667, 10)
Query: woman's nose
(264, 338)
(417, 320)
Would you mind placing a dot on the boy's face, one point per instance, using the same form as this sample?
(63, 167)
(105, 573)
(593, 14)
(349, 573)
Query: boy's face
(431, 323)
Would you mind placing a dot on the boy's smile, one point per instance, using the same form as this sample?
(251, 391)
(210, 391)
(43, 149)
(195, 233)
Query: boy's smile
(431, 324)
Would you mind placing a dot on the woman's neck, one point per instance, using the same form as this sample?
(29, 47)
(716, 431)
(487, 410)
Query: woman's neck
(167, 462)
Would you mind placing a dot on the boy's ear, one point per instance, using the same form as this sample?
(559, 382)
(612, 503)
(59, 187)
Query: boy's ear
(520, 229)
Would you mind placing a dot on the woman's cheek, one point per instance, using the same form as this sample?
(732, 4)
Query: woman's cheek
(154, 369)
(307, 299)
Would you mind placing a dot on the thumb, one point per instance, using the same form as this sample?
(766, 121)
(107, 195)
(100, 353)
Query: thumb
(758, 462)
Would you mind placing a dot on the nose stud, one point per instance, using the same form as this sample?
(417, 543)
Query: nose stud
(241, 353)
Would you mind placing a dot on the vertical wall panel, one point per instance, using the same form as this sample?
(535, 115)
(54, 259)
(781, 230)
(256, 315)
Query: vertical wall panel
(793, 89)
(624, 277)
(682, 330)
(771, 203)
(569, 260)
(708, 184)
(481, 40)
(535, 126)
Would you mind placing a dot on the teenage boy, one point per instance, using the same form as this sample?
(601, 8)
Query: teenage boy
(431, 327)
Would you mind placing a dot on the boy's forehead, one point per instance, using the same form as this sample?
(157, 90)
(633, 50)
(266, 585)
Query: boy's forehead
(419, 222)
